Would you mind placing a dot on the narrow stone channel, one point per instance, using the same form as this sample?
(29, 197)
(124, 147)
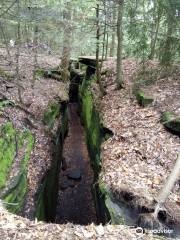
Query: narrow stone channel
(75, 200)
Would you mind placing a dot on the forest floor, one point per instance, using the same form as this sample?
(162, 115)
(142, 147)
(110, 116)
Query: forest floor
(136, 160)
(140, 156)
(30, 116)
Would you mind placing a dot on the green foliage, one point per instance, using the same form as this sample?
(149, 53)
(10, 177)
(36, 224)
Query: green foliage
(6, 103)
(40, 203)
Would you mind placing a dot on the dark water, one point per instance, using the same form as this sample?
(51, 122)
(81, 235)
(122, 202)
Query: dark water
(75, 200)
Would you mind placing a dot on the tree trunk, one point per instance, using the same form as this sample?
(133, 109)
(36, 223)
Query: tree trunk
(107, 43)
(119, 78)
(113, 37)
(155, 33)
(18, 54)
(64, 66)
(35, 50)
(166, 58)
(98, 73)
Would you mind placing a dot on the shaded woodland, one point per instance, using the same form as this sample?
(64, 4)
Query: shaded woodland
(90, 119)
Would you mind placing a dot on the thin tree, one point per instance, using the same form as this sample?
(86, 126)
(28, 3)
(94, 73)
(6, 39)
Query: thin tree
(98, 72)
(113, 36)
(64, 66)
(119, 77)
(156, 25)
(18, 53)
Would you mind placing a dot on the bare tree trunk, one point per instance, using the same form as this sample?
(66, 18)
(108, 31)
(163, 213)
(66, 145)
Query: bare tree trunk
(97, 43)
(64, 66)
(5, 40)
(119, 78)
(173, 177)
(104, 35)
(155, 32)
(98, 73)
(35, 50)
(113, 37)
(18, 54)
(166, 58)
(107, 44)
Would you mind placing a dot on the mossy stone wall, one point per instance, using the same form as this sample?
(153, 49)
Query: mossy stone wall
(106, 209)
(48, 190)
(11, 142)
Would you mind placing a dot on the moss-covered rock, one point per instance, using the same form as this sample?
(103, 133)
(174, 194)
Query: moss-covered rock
(7, 151)
(40, 213)
(48, 73)
(93, 127)
(15, 194)
(47, 193)
(142, 99)
(171, 121)
(51, 114)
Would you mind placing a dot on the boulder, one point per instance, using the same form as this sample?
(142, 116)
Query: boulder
(171, 121)
(74, 174)
(142, 99)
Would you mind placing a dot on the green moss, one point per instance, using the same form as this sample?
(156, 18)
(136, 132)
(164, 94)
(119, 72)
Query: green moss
(142, 99)
(7, 151)
(93, 128)
(47, 193)
(114, 211)
(95, 134)
(6, 103)
(51, 114)
(171, 121)
(15, 195)
(39, 72)
(40, 203)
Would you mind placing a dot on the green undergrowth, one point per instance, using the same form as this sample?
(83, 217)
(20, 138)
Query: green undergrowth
(51, 114)
(11, 142)
(6, 103)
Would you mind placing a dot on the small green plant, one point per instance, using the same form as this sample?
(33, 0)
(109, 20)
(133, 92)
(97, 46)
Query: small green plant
(6, 103)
